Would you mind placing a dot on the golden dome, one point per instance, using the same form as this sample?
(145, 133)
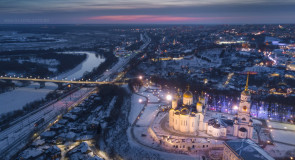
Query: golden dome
(201, 98)
(187, 94)
(199, 104)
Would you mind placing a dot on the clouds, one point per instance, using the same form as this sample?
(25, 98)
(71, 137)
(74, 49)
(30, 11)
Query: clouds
(149, 19)
(209, 11)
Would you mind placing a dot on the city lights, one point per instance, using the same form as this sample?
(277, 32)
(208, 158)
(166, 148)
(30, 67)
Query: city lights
(169, 97)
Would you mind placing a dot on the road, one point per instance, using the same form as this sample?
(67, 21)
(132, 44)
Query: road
(123, 61)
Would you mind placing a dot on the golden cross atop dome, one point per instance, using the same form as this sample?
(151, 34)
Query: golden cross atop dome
(246, 87)
(187, 87)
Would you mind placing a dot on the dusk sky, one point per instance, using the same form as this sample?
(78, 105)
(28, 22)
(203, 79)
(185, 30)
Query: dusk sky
(147, 11)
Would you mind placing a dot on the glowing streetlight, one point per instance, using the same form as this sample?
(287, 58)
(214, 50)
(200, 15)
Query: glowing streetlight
(235, 107)
(140, 77)
(140, 100)
(169, 97)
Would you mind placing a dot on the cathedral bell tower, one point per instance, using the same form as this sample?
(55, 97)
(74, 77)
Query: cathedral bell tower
(243, 127)
(245, 104)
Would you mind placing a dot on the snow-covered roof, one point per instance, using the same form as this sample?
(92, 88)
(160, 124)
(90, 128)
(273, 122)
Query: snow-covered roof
(96, 158)
(247, 149)
(53, 150)
(62, 121)
(48, 134)
(258, 69)
(38, 142)
(71, 135)
(70, 116)
(31, 153)
(84, 137)
(56, 126)
(83, 148)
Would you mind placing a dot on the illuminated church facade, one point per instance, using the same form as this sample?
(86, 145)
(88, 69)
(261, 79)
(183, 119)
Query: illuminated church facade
(188, 117)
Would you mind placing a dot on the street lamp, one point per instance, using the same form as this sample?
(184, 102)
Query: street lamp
(169, 97)
(140, 100)
(235, 107)
(140, 77)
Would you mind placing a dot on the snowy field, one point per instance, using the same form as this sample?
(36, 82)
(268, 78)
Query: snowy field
(283, 136)
(16, 99)
(280, 132)
(281, 125)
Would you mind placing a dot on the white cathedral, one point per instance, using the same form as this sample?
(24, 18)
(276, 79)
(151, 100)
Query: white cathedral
(187, 117)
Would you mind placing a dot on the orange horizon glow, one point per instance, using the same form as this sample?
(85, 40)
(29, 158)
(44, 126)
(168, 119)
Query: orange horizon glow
(149, 18)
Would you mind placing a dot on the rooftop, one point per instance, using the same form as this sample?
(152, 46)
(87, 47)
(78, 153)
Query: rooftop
(247, 149)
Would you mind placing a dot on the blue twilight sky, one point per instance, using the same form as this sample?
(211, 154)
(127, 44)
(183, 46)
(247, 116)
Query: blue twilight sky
(147, 11)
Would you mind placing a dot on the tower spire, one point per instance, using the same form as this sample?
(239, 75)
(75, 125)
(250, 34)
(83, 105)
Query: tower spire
(187, 87)
(246, 87)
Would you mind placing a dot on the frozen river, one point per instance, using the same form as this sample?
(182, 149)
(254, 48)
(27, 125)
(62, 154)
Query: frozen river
(17, 98)
(91, 62)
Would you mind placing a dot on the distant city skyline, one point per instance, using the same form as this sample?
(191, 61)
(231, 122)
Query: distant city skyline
(147, 12)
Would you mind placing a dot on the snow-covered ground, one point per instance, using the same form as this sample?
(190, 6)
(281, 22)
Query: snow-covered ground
(282, 132)
(148, 115)
(280, 150)
(16, 99)
(136, 107)
(283, 136)
(159, 154)
(151, 109)
(278, 125)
